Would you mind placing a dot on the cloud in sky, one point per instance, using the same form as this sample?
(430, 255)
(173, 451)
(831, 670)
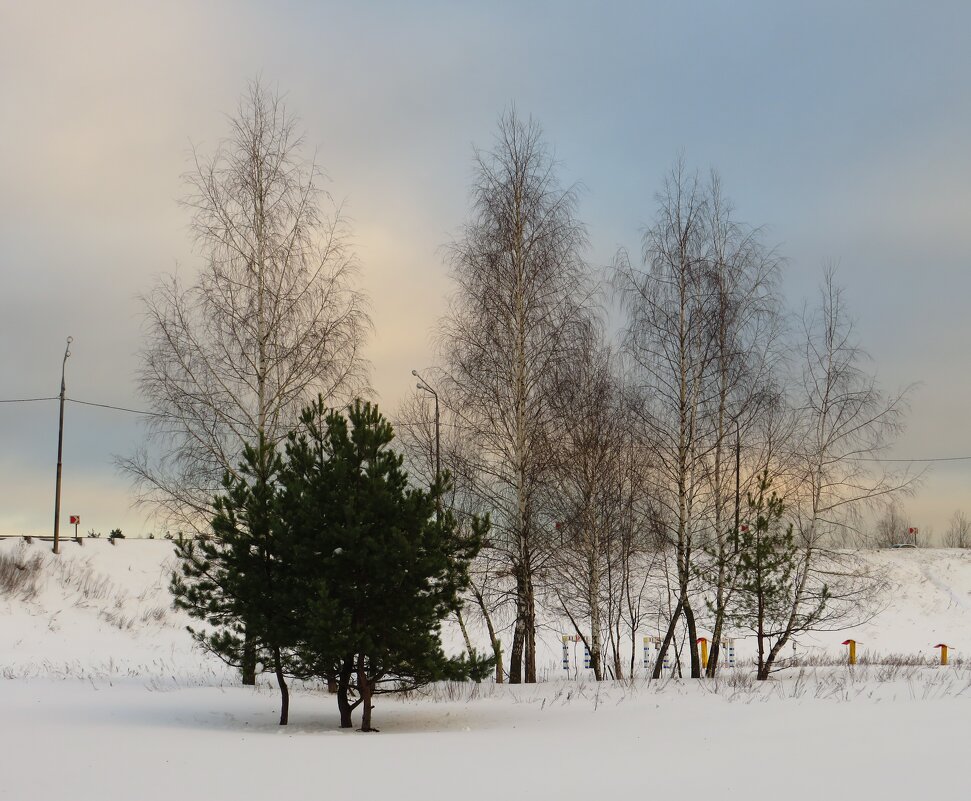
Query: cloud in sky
(841, 127)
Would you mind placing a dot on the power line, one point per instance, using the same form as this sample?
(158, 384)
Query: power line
(911, 461)
(27, 400)
(116, 408)
(428, 422)
(86, 403)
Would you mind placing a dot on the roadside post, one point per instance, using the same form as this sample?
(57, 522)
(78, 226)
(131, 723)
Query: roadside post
(703, 644)
(731, 653)
(852, 656)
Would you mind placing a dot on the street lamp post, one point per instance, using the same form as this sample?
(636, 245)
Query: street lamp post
(425, 387)
(738, 479)
(60, 448)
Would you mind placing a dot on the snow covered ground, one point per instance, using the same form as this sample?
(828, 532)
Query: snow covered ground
(102, 696)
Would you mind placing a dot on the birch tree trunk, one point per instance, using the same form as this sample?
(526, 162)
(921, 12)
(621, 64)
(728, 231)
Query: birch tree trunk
(521, 295)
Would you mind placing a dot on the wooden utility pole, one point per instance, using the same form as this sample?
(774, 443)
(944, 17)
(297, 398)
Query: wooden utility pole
(60, 448)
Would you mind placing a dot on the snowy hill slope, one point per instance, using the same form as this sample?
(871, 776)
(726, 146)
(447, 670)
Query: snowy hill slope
(105, 609)
(97, 610)
(928, 601)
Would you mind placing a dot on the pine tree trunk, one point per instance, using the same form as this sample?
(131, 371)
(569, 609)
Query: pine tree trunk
(344, 707)
(364, 688)
(248, 668)
(284, 690)
(343, 691)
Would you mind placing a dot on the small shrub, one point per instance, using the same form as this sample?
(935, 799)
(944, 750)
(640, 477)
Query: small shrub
(739, 680)
(118, 619)
(20, 575)
(78, 576)
(154, 615)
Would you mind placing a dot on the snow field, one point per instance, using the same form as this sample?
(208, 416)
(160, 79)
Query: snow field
(104, 697)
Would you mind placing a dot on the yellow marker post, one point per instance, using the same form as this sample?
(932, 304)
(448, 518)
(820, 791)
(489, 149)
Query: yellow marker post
(852, 644)
(943, 648)
(703, 642)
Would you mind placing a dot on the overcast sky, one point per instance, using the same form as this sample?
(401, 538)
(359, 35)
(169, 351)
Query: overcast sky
(843, 127)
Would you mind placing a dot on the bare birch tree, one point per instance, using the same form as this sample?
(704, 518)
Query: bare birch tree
(519, 301)
(272, 319)
(670, 306)
(846, 422)
(704, 331)
(746, 332)
(890, 529)
(589, 497)
(601, 501)
(958, 534)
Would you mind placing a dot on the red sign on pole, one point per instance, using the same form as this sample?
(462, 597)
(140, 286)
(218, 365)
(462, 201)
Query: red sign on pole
(75, 520)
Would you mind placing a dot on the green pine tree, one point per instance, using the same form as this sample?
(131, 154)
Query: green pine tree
(379, 567)
(763, 598)
(239, 580)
